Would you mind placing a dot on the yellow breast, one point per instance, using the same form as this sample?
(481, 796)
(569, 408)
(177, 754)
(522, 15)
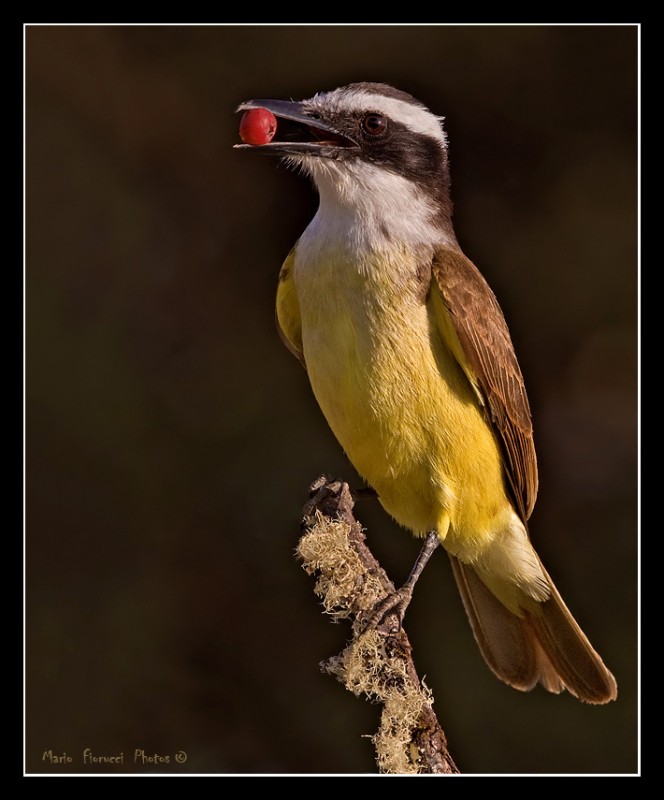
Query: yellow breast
(396, 398)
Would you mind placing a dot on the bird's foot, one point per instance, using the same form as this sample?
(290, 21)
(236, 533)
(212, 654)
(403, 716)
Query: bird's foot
(387, 615)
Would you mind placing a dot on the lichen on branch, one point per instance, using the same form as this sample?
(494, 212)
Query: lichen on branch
(377, 663)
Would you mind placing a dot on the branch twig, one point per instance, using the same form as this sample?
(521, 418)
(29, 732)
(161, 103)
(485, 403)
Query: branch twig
(377, 663)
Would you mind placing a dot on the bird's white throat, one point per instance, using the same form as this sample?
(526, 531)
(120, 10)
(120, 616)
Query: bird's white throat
(364, 207)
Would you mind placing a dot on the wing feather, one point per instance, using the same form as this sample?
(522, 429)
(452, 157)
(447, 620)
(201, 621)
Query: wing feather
(289, 321)
(479, 338)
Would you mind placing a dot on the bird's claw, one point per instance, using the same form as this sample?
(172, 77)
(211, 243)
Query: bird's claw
(392, 607)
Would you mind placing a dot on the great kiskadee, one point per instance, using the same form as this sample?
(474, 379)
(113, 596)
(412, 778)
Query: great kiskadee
(412, 364)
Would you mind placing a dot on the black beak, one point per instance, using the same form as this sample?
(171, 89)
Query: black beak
(298, 132)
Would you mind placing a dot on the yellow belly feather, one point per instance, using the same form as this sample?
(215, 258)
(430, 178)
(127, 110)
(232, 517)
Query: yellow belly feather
(397, 400)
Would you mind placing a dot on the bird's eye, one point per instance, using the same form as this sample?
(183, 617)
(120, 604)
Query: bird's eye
(374, 124)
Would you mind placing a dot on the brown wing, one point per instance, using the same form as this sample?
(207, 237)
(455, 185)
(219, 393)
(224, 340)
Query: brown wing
(485, 352)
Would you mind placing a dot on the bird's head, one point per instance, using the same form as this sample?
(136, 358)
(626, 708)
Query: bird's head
(363, 140)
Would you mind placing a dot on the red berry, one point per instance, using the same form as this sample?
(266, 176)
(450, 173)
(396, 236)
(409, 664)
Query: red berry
(258, 126)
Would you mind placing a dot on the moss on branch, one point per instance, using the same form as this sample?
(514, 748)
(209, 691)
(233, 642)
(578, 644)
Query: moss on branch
(376, 663)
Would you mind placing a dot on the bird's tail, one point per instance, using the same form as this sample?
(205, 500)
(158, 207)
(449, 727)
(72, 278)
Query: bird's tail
(542, 644)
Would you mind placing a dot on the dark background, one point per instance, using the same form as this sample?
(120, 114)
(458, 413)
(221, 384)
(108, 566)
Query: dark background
(171, 437)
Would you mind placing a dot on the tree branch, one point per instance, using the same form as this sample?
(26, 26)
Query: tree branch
(377, 663)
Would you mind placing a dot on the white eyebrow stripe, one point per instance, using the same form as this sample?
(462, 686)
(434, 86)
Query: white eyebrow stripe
(417, 118)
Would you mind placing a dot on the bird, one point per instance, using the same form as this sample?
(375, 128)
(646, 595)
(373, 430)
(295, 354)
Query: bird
(412, 364)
